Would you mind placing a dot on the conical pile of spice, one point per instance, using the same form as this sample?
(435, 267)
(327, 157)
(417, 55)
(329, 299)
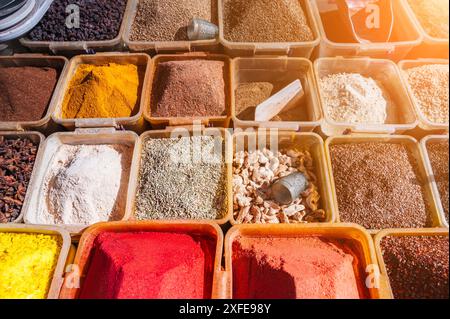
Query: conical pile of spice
(104, 91)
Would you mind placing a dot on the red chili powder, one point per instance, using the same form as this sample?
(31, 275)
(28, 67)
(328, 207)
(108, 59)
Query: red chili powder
(293, 268)
(150, 266)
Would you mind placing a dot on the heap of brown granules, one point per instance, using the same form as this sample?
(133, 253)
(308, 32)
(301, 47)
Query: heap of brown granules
(167, 20)
(438, 153)
(377, 186)
(265, 21)
(417, 267)
(191, 88)
(17, 157)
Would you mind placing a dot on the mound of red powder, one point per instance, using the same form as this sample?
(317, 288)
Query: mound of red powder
(293, 268)
(150, 266)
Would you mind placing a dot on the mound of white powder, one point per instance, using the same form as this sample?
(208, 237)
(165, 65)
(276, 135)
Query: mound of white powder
(84, 184)
(353, 98)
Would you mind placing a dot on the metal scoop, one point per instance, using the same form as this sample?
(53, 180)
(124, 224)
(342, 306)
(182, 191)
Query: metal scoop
(199, 29)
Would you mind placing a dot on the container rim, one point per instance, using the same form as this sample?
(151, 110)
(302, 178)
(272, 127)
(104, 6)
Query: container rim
(58, 273)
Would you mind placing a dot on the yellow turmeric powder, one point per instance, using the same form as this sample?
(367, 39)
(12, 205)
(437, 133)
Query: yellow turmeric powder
(105, 91)
(27, 264)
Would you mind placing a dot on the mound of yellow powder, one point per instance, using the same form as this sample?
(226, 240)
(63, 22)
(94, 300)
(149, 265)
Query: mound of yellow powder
(27, 264)
(105, 91)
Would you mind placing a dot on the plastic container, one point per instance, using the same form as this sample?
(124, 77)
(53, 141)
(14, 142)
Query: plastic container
(296, 49)
(406, 36)
(163, 122)
(360, 239)
(424, 123)
(280, 72)
(431, 47)
(24, 20)
(424, 145)
(80, 47)
(401, 116)
(58, 275)
(21, 60)
(184, 132)
(160, 47)
(83, 255)
(287, 140)
(414, 148)
(400, 233)
(37, 138)
(80, 137)
(135, 121)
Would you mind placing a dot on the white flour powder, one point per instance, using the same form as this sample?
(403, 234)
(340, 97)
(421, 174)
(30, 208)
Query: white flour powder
(83, 185)
(353, 98)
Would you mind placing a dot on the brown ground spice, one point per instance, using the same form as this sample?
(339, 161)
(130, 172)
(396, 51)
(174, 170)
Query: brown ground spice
(417, 267)
(438, 153)
(193, 88)
(265, 21)
(25, 93)
(377, 186)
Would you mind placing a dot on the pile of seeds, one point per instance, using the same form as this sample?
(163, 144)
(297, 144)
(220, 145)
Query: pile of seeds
(377, 186)
(192, 88)
(25, 92)
(417, 266)
(429, 85)
(253, 175)
(438, 153)
(17, 157)
(265, 21)
(99, 20)
(167, 20)
(433, 16)
(182, 178)
(353, 98)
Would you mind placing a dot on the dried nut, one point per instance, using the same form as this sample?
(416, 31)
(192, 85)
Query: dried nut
(243, 213)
